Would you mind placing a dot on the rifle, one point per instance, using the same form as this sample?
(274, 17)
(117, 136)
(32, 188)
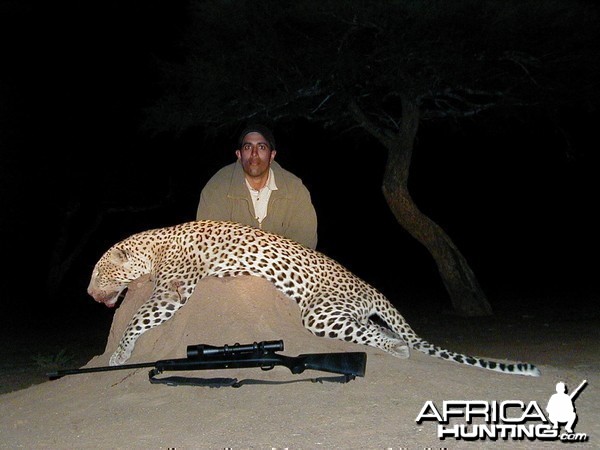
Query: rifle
(575, 393)
(236, 356)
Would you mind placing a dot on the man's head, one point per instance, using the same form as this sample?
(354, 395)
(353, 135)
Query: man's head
(260, 129)
(256, 150)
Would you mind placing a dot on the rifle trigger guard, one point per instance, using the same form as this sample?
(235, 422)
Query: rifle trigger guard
(155, 371)
(265, 368)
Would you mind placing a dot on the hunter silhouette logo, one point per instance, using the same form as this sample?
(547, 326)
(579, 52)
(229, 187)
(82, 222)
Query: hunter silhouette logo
(472, 420)
(560, 406)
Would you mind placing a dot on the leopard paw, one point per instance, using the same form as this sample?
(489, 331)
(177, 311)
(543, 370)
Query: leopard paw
(400, 350)
(120, 356)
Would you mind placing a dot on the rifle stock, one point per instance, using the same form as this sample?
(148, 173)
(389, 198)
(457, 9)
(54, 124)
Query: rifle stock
(351, 363)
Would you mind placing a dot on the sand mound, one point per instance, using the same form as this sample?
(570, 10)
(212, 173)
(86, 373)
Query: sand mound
(121, 409)
(221, 311)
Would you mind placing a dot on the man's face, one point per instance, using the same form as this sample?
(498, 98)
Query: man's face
(255, 155)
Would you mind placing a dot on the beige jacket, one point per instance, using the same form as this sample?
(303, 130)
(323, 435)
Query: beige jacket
(290, 212)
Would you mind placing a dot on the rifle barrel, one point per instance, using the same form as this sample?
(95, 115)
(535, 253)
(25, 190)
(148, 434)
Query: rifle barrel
(576, 391)
(61, 373)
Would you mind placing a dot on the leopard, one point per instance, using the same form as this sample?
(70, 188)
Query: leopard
(334, 302)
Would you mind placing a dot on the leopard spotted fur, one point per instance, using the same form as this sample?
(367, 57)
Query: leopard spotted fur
(334, 303)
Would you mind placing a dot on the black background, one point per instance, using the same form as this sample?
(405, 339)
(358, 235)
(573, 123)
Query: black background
(518, 201)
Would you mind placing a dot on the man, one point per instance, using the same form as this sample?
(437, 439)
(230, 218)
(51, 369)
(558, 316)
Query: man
(560, 408)
(257, 191)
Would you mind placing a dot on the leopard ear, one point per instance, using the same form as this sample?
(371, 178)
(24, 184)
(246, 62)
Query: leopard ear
(118, 256)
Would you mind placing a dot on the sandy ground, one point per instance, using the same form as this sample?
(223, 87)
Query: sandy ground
(121, 409)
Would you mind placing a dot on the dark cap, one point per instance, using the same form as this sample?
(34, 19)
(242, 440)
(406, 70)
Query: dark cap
(257, 128)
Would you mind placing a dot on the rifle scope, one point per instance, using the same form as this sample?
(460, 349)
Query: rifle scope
(200, 350)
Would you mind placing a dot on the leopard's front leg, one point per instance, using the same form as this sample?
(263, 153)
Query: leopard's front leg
(159, 308)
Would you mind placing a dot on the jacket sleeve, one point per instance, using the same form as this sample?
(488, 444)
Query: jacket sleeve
(213, 203)
(206, 211)
(303, 224)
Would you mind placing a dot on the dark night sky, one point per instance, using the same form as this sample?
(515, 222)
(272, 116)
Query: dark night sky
(520, 206)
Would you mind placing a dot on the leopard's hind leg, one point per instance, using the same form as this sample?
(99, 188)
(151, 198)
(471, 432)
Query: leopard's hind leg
(337, 322)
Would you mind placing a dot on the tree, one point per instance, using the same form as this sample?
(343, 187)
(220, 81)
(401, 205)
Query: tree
(382, 66)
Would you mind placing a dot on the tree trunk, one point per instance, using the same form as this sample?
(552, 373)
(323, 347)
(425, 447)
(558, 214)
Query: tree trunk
(467, 297)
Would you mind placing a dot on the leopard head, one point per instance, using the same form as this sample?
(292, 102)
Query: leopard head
(112, 274)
